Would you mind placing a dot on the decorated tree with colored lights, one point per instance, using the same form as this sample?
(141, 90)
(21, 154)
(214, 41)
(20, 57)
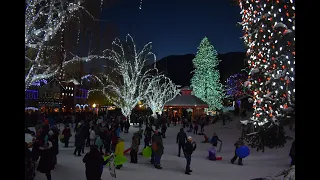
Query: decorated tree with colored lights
(269, 33)
(45, 22)
(129, 79)
(235, 86)
(206, 78)
(162, 91)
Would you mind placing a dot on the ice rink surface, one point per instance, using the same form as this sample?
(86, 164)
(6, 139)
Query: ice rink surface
(257, 164)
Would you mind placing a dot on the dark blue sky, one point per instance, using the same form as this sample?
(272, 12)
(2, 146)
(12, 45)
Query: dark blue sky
(177, 26)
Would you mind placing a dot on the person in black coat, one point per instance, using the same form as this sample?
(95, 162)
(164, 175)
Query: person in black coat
(163, 130)
(126, 126)
(188, 149)
(79, 142)
(293, 153)
(107, 142)
(53, 138)
(238, 144)
(181, 140)
(29, 167)
(94, 163)
(46, 164)
(214, 140)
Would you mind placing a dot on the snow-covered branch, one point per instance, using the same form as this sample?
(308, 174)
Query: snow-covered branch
(163, 90)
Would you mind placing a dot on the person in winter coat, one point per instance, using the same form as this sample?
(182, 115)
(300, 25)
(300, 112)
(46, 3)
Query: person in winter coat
(157, 149)
(92, 136)
(79, 142)
(114, 140)
(214, 140)
(163, 130)
(94, 164)
(238, 144)
(86, 129)
(293, 153)
(46, 164)
(53, 138)
(29, 168)
(135, 148)
(188, 149)
(126, 126)
(107, 141)
(181, 140)
(202, 126)
(195, 129)
(66, 136)
(119, 150)
(117, 129)
(99, 144)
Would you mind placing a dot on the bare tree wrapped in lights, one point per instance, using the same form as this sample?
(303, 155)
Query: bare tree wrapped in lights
(269, 27)
(129, 79)
(162, 91)
(45, 21)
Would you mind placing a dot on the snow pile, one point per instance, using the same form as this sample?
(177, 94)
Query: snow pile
(284, 175)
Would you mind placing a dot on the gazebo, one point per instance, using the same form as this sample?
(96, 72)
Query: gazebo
(186, 101)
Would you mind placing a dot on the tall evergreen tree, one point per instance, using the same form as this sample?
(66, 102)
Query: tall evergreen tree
(206, 79)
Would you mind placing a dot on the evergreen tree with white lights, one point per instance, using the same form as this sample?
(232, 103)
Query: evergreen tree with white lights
(269, 33)
(206, 79)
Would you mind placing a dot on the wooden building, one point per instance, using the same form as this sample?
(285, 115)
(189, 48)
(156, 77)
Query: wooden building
(186, 102)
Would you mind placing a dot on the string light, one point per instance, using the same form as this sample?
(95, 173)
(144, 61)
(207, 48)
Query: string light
(269, 34)
(140, 5)
(129, 81)
(206, 79)
(162, 91)
(45, 20)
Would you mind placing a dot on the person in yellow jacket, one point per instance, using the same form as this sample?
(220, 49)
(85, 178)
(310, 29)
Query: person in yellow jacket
(119, 150)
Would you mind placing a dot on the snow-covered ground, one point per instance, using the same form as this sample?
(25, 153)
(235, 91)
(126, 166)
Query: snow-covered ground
(258, 164)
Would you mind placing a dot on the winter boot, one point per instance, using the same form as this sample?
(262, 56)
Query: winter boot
(240, 162)
(233, 160)
(158, 166)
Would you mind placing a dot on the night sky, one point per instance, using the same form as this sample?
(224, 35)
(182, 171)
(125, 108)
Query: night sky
(176, 27)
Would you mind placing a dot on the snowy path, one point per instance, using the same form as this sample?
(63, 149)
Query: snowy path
(258, 164)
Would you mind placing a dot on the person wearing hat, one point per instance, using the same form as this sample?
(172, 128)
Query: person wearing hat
(94, 163)
(189, 147)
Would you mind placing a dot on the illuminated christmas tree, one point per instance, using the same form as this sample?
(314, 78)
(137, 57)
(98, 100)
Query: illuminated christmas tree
(162, 91)
(206, 79)
(129, 80)
(269, 33)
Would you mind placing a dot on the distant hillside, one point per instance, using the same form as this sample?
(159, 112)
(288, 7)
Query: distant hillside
(178, 67)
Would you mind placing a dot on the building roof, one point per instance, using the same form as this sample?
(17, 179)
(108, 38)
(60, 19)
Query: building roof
(186, 101)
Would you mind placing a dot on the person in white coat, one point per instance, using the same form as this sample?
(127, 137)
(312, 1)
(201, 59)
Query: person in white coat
(92, 136)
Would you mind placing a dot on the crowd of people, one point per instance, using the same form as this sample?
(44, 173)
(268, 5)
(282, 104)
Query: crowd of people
(102, 135)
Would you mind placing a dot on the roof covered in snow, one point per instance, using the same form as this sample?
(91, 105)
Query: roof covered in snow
(186, 101)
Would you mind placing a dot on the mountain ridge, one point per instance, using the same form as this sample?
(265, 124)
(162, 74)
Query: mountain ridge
(179, 67)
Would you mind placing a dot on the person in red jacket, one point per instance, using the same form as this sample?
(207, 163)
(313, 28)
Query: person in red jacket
(66, 136)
